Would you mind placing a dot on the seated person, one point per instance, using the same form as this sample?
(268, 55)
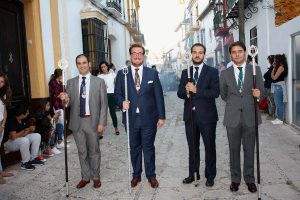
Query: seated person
(21, 138)
(45, 126)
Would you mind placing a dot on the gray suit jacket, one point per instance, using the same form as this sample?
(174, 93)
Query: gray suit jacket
(97, 102)
(240, 104)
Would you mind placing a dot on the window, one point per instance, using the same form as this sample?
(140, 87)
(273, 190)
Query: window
(202, 33)
(95, 41)
(253, 39)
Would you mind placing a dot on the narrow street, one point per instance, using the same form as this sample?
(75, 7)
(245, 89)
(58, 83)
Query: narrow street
(280, 167)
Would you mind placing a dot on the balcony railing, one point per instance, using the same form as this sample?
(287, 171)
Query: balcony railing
(116, 4)
(115, 7)
(219, 27)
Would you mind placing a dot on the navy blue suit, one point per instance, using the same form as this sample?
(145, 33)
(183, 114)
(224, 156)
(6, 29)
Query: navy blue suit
(205, 117)
(143, 125)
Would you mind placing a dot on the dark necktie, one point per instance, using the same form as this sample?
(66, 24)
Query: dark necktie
(196, 75)
(240, 79)
(137, 80)
(82, 97)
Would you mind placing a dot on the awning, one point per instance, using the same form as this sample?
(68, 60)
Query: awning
(229, 40)
(218, 47)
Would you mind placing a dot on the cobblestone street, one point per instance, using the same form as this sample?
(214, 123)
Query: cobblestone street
(280, 167)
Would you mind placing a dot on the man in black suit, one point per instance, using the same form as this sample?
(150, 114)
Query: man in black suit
(201, 116)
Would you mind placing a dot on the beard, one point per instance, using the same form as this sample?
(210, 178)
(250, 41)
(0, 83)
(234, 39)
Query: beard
(197, 62)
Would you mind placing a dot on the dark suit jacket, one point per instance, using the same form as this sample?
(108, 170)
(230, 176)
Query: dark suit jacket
(204, 99)
(240, 104)
(150, 99)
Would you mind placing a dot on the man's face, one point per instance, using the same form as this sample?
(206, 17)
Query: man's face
(136, 56)
(83, 65)
(238, 55)
(197, 55)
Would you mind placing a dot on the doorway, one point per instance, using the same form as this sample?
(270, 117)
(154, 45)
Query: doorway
(13, 55)
(296, 80)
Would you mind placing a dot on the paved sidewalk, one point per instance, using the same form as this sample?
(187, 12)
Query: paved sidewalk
(280, 167)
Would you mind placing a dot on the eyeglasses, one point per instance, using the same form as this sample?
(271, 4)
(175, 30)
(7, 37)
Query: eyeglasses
(137, 54)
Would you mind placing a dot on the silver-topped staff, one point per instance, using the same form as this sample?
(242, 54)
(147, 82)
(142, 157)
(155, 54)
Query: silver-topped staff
(63, 65)
(187, 58)
(253, 52)
(125, 72)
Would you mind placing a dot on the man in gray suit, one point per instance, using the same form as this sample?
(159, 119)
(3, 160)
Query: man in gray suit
(86, 95)
(236, 88)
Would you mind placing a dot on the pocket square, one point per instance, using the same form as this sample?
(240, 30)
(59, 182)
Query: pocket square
(150, 82)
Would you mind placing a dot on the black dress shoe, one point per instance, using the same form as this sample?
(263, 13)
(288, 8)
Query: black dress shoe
(189, 180)
(252, 187)
(234, 186)
(209, 182)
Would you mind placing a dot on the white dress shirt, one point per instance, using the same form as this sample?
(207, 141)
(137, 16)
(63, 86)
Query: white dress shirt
(237, 71)
(140, 72)
(199, 70)
(87, 90)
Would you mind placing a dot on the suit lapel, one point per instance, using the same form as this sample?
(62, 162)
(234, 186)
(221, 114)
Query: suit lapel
(202, 75)
(247, 78)
(144, 77)
(91, 87)
(130, 81)
(233, 80)
(76, 87)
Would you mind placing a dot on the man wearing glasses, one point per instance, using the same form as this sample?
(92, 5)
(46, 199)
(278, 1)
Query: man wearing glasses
(146, 112)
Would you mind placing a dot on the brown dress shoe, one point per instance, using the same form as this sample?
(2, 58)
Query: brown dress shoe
(97, 183)
(252, 187)
(153, 182)
(234, 186)
(135, 182)
(82, 184)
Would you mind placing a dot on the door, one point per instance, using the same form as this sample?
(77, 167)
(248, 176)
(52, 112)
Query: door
(296, 80)
(13, 57)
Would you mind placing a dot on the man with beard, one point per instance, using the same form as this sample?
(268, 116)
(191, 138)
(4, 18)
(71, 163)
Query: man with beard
(146, 109)
(200, 116)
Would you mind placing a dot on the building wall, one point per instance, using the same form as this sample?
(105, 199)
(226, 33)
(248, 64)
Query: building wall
(47, 43)
(210, 40)
(35, 51)
(119, 43)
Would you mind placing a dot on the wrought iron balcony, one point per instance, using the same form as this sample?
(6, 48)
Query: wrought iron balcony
(133, 25)
(114, 6)
(232, 7)
(219, 27)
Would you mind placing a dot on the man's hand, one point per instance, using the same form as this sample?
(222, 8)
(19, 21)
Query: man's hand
(101, 129)
(161, 122)
(190, 87)
(126, 105)
(256, 93)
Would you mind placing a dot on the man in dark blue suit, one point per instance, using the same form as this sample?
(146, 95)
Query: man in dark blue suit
(146, 112)
(201, 115)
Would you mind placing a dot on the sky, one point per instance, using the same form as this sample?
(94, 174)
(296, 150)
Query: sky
(158, 21)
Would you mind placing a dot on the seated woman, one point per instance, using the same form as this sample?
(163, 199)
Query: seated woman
(45, 126)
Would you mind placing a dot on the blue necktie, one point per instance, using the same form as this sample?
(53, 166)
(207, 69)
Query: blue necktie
(82, 97)
(240, 79)
(196, 75)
